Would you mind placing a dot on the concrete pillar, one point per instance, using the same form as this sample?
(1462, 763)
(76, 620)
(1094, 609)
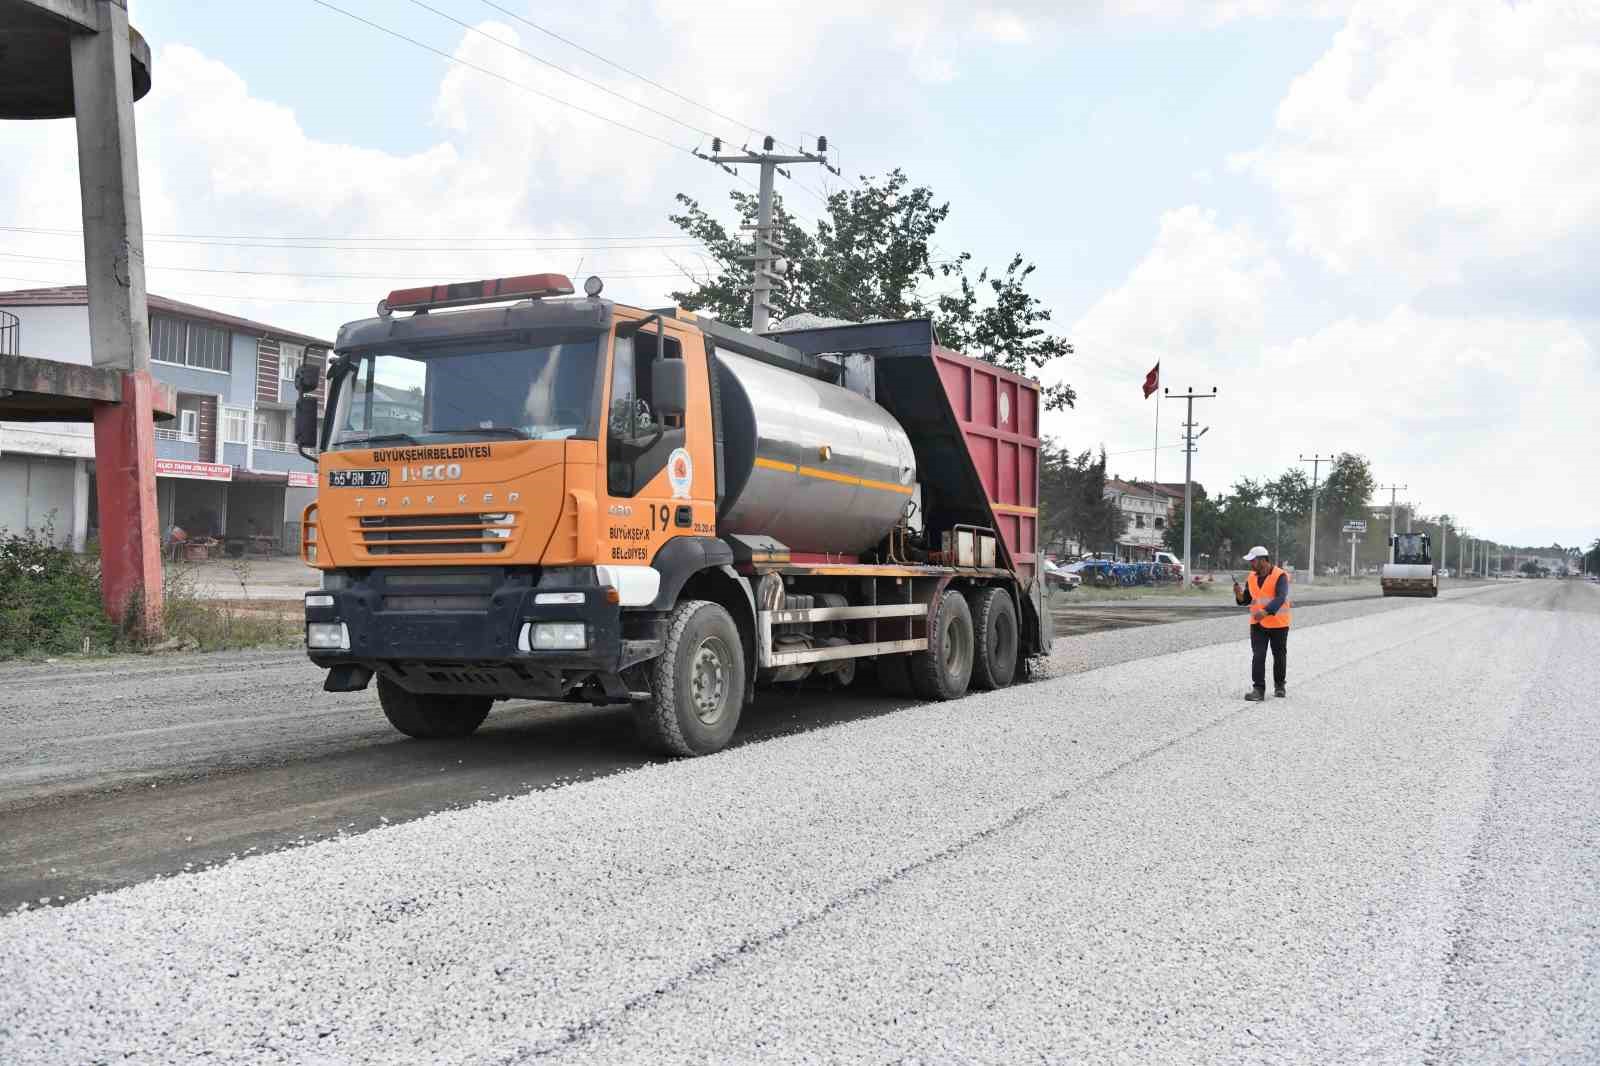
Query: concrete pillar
(119, 326)
(108, 178)
(80, 505)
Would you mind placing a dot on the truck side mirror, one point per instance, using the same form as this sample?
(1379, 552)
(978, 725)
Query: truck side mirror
(306, 379)
(668, 386)
(305, 419)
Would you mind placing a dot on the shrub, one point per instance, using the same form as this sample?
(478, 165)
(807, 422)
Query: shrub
(49, 597)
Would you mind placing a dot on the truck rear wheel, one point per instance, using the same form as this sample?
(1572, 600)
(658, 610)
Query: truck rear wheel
(698, 683)
(944, 669)
(994, 627)
(428, 716)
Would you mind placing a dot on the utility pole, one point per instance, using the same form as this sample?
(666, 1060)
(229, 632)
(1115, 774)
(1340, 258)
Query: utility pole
(1352, 556)
(1316, 462)
(1189, 438)
(1393, 490)
(767, 250)
(1444, 542)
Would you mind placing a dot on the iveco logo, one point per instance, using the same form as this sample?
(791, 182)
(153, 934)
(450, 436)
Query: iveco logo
(435, 472)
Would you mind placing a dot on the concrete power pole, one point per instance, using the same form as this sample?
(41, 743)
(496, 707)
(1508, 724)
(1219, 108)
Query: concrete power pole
(1316, 462)
(767, 250)
(1393, 490)
(1189, 437)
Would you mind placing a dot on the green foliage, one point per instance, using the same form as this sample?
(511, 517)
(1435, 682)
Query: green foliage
(864, 260)
(1591, 559)
(1072, 500)
(50, 604)
(49, 597)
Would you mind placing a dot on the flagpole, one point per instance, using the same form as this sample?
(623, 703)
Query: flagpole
(1155, 453)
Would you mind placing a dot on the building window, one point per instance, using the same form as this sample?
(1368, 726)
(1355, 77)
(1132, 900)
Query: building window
(235, 425)
(189, 425)
(185, 343)
(1138, 521)
(1160, 524)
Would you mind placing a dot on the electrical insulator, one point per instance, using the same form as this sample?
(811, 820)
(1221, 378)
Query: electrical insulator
(822, 145)
(766, 143)
(716, 146)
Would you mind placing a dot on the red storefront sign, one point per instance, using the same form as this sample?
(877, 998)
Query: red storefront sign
(302, 479)
(189, 469)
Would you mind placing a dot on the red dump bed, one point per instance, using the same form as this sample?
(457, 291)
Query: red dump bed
(974, 428)
(998, 412)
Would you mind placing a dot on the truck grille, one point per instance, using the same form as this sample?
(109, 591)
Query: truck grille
(437, 534)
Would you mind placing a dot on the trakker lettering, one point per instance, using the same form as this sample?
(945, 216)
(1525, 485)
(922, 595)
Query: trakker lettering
(417, 455)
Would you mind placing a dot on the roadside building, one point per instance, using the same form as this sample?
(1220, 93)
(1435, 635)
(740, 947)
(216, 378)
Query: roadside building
(1145, 511)
(227, 468)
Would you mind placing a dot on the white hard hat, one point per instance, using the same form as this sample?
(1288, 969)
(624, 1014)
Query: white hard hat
(1256, 553)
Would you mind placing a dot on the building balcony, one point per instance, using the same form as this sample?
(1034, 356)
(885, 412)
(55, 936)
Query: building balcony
(170, 444)
(280, 456)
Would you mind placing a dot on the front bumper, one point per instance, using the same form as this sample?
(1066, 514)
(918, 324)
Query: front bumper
(453, 631)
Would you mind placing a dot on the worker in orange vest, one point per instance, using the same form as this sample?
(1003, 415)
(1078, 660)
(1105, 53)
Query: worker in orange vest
(1266, 593)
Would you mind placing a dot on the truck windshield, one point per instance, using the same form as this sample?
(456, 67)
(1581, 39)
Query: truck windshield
(512, 391)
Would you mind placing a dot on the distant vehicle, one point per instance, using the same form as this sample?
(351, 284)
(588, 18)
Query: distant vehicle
(1445, 572)
(1409, 571)
(1094, 571)
(1168, 559)
(1056, 577)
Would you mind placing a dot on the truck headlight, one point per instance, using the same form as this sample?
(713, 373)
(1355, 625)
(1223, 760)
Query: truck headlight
(553, 636)
(333, 636)
(318, 599)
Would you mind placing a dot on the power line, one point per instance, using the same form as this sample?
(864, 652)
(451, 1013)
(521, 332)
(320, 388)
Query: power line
(501, 77)
(557, 67)
(291, 273)
(247, 240)
(631, 73)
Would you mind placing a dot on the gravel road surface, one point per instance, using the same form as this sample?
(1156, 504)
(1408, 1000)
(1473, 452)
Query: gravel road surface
(1122, 863)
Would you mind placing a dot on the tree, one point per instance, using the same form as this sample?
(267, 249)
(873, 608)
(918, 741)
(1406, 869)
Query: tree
(1072, 500)
(865, 259)
(1591, 561)
(1531, 568)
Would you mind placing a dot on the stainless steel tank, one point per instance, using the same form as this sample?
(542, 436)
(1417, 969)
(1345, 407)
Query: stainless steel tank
(815, 466)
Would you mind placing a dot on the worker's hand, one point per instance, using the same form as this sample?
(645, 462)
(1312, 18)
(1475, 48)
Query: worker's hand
(1257, 613)
(1236, 589)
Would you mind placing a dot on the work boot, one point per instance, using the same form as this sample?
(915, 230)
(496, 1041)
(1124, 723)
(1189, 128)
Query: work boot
(1279, 692)
(1256, 695)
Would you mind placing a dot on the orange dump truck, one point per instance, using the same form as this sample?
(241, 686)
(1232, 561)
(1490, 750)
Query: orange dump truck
(527, 494)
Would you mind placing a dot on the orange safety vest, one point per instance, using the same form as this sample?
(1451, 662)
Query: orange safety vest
(1260, 596)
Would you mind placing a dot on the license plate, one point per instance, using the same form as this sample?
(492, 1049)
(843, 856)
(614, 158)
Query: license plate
(358, 479)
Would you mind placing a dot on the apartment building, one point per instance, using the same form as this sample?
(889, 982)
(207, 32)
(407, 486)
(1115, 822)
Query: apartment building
(227, 467)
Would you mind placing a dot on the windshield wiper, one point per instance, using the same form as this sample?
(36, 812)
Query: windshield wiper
(503, 431)
(381, 438)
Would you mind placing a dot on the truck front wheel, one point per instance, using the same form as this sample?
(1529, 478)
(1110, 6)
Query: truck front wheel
(431, 717)
(944, 669)
(698, 683)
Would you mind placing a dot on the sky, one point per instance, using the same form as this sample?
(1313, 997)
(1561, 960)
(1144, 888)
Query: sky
(1369, 225)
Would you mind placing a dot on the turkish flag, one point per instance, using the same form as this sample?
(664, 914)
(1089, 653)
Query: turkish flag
(1151, 380)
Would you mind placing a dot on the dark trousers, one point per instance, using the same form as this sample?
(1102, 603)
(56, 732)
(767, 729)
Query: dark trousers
(1260, 637)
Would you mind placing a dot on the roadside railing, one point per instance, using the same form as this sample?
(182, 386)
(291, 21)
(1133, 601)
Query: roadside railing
(276, 446)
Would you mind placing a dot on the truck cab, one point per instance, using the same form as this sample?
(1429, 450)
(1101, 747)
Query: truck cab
(527, 494)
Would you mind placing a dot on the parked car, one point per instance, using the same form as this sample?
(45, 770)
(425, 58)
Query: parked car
(1056, 577)
(1168, 559)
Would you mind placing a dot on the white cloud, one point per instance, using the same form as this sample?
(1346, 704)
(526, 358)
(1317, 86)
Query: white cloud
(1201, 290)
(1471, 411)
(1478, 414)
(1447, 143)
(1216, 12)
